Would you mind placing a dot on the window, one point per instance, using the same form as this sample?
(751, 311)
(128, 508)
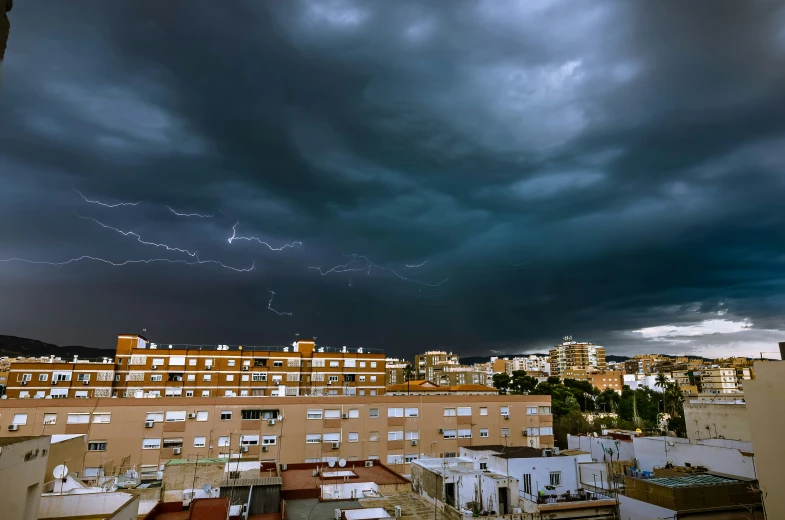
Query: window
(78, 418)
(268, 440)
(189, 393)
(531, 410)
(353, 437)
(533, 432)
(177, 416)
(313, 438)
(226, 415)
(373, 379)
(61, 376)
(229, 378)
(245, 378)
(208, 362)
(555, 478)
(395, 436)
(361, 379)
(412, 412)
(83, 377)
(250, 440)
(199, 442)
(43, 377)
(156, 377)
(450, 454)
(483, 432)
(527, 483)
(173, 442)
(464, 411)
(409, 457)
(333, 379)
(394, 459)
(314, 414)
(546, 430)
(374, 413)
(354, 414)
(201, 416)
(373, 436)
(331, 437)
(102, 417)
(192, 362)
(259, 376)
(230, 363)
(412, 435)
(50, 418)
(207, 377)
(21, 418)
(465, 434)
(449, 412)
(333, 364)
(545, 410)
(250, 415)
(373, 392)
(205, 393)
(158, 361)
(151, 444)
(350, 363)
(190, 377)
(449, 434)
(395, 412)
(483, 411)
(277, 363)
(362, 364)
(223, 441)
(504, 410)
(332, 414)
(155, 416)
(373, 364)
(373, 457)
(81, 393)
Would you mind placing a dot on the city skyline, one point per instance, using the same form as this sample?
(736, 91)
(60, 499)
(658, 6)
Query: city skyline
(404, 176)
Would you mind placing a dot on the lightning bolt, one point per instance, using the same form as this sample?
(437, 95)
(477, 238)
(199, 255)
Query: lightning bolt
(127, 262)
(104, 204)
(521, 264)
(139, 239)
(235, 237)
(417, 265)
(188, 214)
(270, 303)
(351, 266)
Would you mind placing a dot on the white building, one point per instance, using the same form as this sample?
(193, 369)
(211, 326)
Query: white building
(636, 381)
(22, 472)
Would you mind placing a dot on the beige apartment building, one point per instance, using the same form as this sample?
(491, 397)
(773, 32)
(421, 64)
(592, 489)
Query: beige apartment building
(445, 369)
(572, 354)
(613, 379)
(145, 433)
(144, 369)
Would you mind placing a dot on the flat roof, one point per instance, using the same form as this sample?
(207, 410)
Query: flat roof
(688, 481)
(300, 476)
(8, 441)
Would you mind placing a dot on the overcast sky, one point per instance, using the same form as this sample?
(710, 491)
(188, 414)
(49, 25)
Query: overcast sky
(510, 173)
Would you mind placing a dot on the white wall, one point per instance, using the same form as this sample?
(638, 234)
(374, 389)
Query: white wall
(540, 469)
(651, 452)
(622, 450)
(631, 509)
(22, 482)
(125, 506)
(712, 420)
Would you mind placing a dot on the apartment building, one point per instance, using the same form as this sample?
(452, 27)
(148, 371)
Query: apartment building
(573, 354)
(721, 380)
(599, 379)
(143, 369)
(145, 433)
(446, 370)
(645, 364)
(396, 371)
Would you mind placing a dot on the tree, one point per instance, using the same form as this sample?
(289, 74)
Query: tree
(501, 382)
(673, 400)
(662, 381)
(608, 400)
(554, 380)
(408, 374)
(521, 383)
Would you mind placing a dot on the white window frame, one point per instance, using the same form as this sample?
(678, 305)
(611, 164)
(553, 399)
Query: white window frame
(412, 412)
(484, 433)
(200, 442)
(353, 437)
(395, 412)
(175, 416)
(202, 416)
(450, 412)
(464, 411)
(450, 434)
(151, 444)
(314, 414)
(78, 418)
(354, 413)
(269, 440)
(464, 433)
(224, 441)
(483, 410)
(395, 435)
(43, 377)
(313, 438)
(412, 435)
(332, 414)
(371, 413)
(102, 417)
(331, 437)
(20, 419)
(531, 410)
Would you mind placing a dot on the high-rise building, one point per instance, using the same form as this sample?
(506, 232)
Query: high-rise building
(573, 354)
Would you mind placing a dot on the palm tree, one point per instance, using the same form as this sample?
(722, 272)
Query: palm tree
(662, 381)
(674, 399)
(408, 373)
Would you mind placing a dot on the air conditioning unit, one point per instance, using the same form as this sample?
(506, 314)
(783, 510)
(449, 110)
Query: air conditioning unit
(149, 424)
(345, 416)
(337, 514)
(154, 367)
(54, 381)
(176, 451)
(13, 427)
(441, 430)
(336, 445)
(264, 448)
(192, 416)
(414, 442)
(398, 512)
(24, 383)
(368, 463)
(86, 382)
(329, 382)
(208, 367)
(245, 369)
(506, 417)
(525, 433)
(243, 449)
(271, 422)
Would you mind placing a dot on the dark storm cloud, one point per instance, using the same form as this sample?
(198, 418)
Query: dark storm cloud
(628, 156)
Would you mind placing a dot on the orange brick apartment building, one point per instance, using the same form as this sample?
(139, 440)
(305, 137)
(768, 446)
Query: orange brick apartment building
(145, 433)
(143, 369)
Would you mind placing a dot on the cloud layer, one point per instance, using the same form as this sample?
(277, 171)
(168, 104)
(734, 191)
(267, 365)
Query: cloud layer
(612, 172)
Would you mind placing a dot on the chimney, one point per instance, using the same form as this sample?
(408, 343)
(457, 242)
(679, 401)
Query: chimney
(782, 349)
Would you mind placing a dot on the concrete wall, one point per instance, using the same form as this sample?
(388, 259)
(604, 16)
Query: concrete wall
(22, 471)
(70, 450)
(597, 446)
(180, 477)
(631, 509)
(118, 506)
(766, 410)
(540, 469)
(651, 452)
(714, 420)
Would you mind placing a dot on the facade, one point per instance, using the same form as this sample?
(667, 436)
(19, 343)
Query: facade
(146, 433)
(766, 416)
(445, 369)
(599, 379)
(717, 418)
(144, 369)
(22, 473)
(396, 371)
(644, 364)
(427, 388)
(721, 380)
(572, 354)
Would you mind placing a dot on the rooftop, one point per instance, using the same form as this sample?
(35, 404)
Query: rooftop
(300, 476)
(690, 481)
(8, 441)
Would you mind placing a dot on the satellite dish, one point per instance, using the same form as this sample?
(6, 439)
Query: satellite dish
(595, 434)
(342, 462)
(60, 471)
(331, 463)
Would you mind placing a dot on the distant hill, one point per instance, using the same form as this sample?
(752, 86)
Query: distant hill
(13, 346)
